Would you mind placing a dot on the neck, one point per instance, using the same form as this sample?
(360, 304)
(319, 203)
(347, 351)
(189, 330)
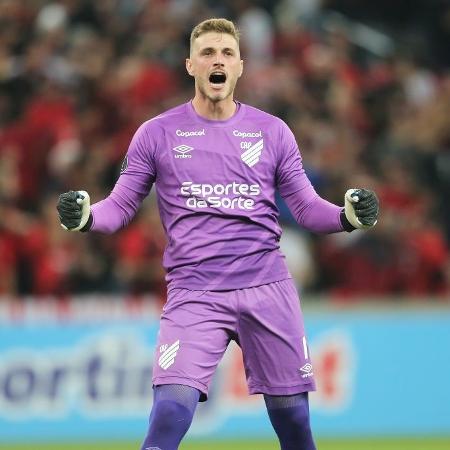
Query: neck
(221, 110)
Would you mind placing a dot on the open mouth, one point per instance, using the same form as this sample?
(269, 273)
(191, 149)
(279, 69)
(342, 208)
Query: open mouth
(217, 78)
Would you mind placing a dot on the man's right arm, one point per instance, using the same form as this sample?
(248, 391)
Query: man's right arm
(114, 212)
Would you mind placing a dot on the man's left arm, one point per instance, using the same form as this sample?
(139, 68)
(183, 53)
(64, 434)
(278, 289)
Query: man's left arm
(310, 210)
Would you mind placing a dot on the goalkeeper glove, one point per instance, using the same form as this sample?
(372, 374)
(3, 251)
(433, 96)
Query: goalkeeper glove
(361, 209)
(74, 209)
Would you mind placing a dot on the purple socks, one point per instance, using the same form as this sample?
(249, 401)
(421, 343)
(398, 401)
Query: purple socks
(174, 406)
(173, 409)
(290, 419)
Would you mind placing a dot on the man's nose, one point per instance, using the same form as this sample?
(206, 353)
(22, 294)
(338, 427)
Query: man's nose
(218, 61)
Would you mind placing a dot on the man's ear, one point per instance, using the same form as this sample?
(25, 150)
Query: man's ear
(189, 68)
(242, 68)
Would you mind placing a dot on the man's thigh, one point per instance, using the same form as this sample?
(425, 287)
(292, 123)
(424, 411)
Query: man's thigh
(272, 337)
(195, 330)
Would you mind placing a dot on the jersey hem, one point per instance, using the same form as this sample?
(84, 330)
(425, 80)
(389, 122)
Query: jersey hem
(194, 287)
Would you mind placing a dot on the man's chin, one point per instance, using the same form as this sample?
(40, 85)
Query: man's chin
(216, 97)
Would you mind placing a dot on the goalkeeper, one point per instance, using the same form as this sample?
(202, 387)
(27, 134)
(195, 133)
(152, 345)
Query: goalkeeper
(215, 164)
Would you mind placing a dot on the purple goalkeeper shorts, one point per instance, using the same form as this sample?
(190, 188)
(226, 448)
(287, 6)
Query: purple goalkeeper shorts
(265, 321)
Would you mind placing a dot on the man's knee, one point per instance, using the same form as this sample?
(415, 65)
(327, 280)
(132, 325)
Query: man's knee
(290, 418)
(298, 418)
(171, 416)
(168, 415)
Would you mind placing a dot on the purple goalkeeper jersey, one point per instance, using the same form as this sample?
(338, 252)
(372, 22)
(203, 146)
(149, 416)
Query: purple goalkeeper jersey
(215, 183)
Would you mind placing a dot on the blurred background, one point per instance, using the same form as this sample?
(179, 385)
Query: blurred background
(365, 86)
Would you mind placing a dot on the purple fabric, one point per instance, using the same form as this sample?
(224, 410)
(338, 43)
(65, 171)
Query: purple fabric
(215, 183)
(171, 416)
(197, 326)
(289, 416)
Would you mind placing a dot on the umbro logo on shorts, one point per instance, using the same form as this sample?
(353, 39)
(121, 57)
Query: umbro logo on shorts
(168, 355)
(307, 370)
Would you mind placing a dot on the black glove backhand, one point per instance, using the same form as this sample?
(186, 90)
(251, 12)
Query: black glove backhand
(361, 209)
(367, 207)
(74, 210)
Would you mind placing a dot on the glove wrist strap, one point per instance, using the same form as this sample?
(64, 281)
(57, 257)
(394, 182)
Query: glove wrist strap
(346, 225)
(88, 225)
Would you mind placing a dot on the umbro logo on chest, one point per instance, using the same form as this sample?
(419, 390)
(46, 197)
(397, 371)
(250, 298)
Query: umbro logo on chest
(183, 151)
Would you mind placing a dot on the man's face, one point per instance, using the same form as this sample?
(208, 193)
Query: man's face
(215, 63)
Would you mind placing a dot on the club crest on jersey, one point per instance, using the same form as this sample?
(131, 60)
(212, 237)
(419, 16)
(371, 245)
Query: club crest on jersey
(124, 165)
(182, 151)
(253, 153)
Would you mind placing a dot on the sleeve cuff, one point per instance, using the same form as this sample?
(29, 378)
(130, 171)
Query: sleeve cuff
(346, 225)
(88, 225)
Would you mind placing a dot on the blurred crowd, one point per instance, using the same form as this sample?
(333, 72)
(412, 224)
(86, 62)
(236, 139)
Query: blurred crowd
(367, 96)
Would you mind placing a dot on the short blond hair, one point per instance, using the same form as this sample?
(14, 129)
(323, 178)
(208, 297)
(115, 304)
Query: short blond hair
(215, 25)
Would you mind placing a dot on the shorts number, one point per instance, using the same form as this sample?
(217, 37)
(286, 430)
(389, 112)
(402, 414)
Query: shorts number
(305, 348)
